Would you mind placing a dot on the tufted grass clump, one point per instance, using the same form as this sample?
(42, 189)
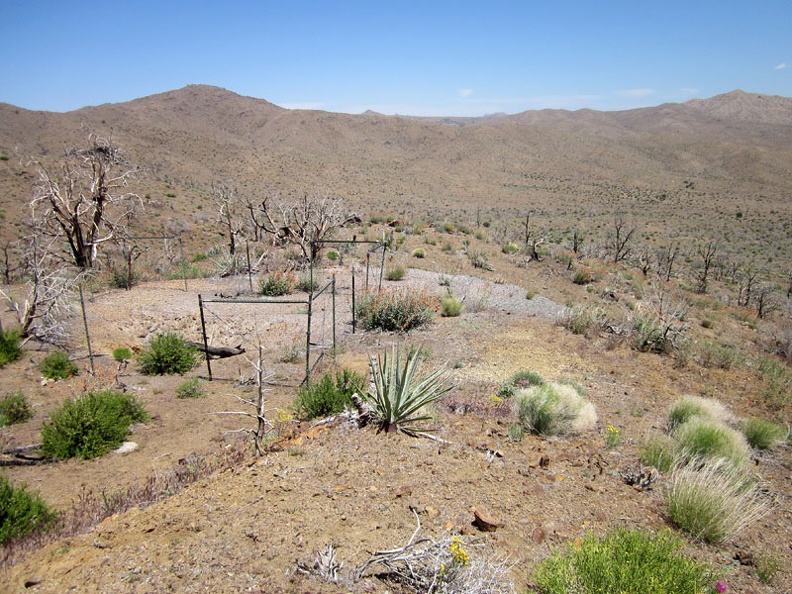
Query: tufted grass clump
(167, 354)
(762, 434)
(57, 366)
(623, 561)
(14, 409)
(451, 307)
(277, 284)
(122, 354)
(396, 310)
(395, 273)
(10, 349)
(703, 438)
(554, 409)
(91, 425)
(658, 451)
(521, 379)
(689, 407)
(329, 396)
(712, 500)
(22, 512)
(190, 388)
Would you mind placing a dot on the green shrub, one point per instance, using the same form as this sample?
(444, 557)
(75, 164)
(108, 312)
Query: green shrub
(10, 350)
(121, 279)
(167, 354)
(419, 253)
(717, 356)
(57, 366)
(713, 500)
(520, 380)
(658, 451)
(333, 256)
(583, 276)
(400, 395)
(510, 248)
(395, 273)
(554, 409)
(21, 512)
(396, 310)
(122, 354)
(581, 320)
(14, 408)
(329, 396)
(623, 561)
(306, 284)
(762, 434)
(190, 388)
(479, 259)
(451, 307)
(277, 284)
(91, 425)
(703, 438)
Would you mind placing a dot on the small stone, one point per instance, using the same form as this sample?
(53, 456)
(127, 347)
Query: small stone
(486, 521)
(32, 581)
(126, 448)
(539, 535)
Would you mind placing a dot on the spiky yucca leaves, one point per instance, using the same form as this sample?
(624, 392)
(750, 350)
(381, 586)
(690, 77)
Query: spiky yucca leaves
(400, 394)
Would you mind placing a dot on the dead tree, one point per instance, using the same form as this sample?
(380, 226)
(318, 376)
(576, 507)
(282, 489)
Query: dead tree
(620, 239)
(81, 199)
(228, 218)
(303, 223)
(48, 304)
(707, 253)
(666, 257)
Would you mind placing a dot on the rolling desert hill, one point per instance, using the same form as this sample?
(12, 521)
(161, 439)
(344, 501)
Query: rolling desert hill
(734, 149)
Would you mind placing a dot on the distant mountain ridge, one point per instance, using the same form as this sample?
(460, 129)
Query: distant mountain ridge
(737, 143)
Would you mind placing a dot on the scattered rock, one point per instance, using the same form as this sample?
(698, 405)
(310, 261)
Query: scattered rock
(486, 521)
(126, 448)
(32, 582)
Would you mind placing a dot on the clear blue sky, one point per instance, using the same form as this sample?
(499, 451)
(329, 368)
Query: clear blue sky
(415, 58)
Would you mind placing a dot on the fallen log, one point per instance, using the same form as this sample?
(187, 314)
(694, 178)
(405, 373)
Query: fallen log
(218, 352)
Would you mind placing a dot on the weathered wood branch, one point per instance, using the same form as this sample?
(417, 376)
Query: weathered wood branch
(218, 352)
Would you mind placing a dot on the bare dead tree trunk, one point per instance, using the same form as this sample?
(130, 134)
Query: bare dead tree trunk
(666, 258)
(707, 254)
(225, 198)
(620, 239)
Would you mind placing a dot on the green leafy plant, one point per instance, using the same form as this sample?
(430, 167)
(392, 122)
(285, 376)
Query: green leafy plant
(10, 350)
(418, 253)
(451, 307)
(554, 409)
(277, 284)
(510, 248)
(91, 425)
(400, 394)
(396, 310)
(623, 561)
(22, 512)
(57, 366)
(122, 354)
(190, 388)
(762, 434)
(14, 408)
(306, 284)
(395, 273)
(329, 396)
(712, 499)
(167, 354)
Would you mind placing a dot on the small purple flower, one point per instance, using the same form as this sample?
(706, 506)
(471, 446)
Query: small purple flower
(721, 587)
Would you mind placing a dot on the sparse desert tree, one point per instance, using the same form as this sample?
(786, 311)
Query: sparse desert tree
(229, 219)
(707, 253)
(666, 257)
(303, 223)
(619, 241)
(48, 305)
(82, 199)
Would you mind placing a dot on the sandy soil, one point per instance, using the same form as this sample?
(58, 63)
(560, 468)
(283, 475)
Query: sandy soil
(244, 528)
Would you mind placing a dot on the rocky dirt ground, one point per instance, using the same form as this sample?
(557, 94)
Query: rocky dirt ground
(245, 527)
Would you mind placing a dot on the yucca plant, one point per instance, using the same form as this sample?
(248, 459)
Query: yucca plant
(400, 394)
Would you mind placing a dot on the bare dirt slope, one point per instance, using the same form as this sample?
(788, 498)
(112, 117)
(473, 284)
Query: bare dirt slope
(244, 528)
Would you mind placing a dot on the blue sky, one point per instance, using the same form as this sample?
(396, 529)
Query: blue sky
(459, 58)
